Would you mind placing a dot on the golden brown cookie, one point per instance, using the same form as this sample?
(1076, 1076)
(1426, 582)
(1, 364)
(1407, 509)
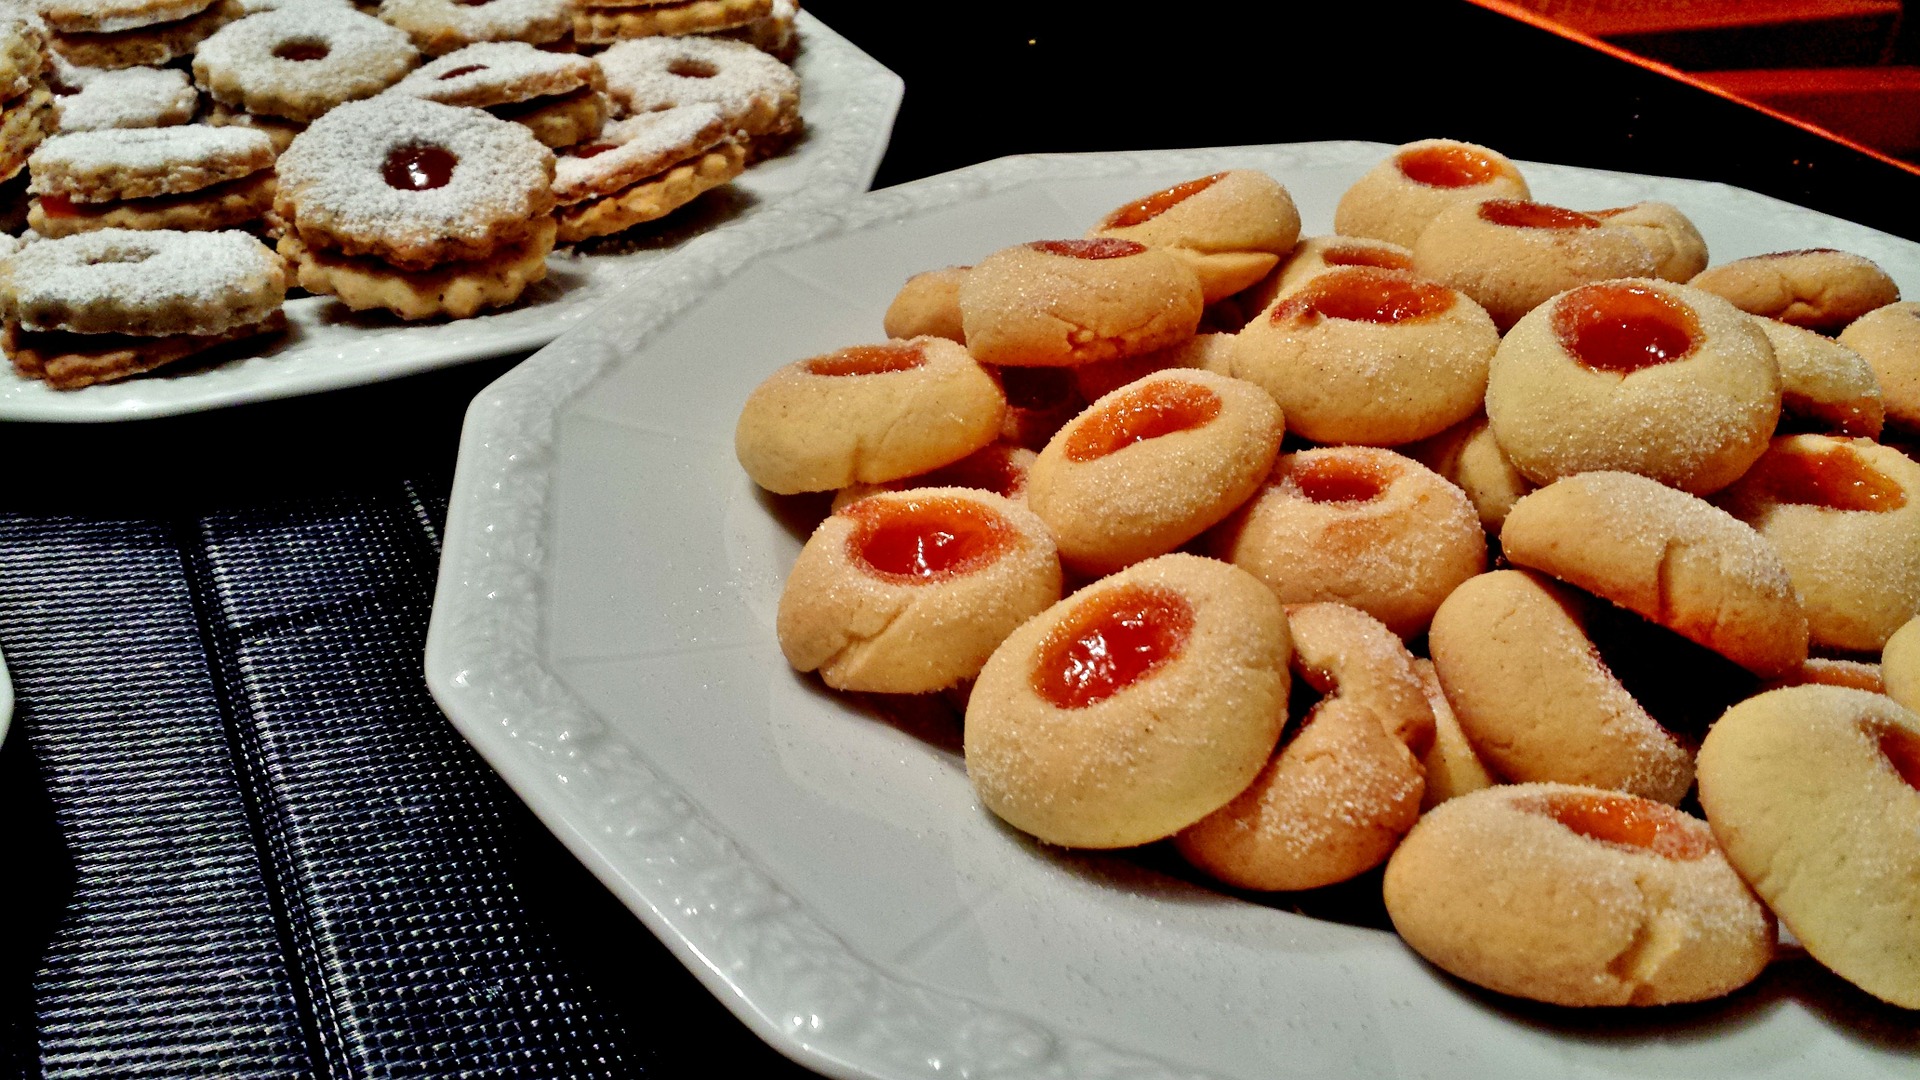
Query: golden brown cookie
(929, 303)
(1818, 288)
(1059, 303)
(652, 198)
(73, 361)
(1824, 386)
(24, 123)
(1679, 251)
(1316, 255)
(1451, 764)
(458, 288)
(1888, 338)
(220, 206)
(1468, 455)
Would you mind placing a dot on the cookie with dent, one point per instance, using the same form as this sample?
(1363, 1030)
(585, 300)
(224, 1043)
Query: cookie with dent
(1511, 255)
(1231, 227)
(1396, 198)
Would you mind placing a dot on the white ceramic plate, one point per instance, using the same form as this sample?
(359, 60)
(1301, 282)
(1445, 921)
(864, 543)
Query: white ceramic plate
(6, 700)
(848, 101)
(603, 633)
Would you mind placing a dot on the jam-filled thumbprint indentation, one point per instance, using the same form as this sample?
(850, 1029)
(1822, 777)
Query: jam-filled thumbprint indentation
(464, 69)
(1357, 255)
(1102, 247)
(1624, 328)
(1625, 821)
(1145, 210)
(1360, 295)
(868, 360)
(1340, 480)
(418, 168)
(1833, 477)
(1901, 748)
(1150, 411)
(302, 50)
(1521, 214)
(919, 541)
(1110, 641)
(1449, 166)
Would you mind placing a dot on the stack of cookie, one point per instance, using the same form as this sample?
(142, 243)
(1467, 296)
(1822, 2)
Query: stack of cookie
(132, 33)
(25, 109)
(603, 22)
(438, 27)
(137, 97)
(557, 96)
(191, 177)
(758, 96)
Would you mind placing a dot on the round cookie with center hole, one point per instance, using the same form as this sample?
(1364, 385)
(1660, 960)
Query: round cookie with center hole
(909, 592)
(1814, 792)
(1639, 375)
(1132, 708)
(1370, 356)
(1058, 303)
(867, 414)
(1153, 465)
(1396, 199)
(1576, 896)
(1844, 515)
(297, 63)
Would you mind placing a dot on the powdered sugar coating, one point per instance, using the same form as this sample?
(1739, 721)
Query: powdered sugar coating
(135, 163)
(129, 98)
(441, 26)
(641, 147)
(23, 53)
(364, 56)
(112, 16)
(753, 89)
(333, 193)
(255, 7)
(502, 72)
(145, 282)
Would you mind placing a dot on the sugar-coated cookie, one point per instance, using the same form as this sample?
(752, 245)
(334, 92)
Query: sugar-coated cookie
(1679, 251)
(1057, 303)
(1232, 227)
(1640, 375)
(1153, 465)
(909, 592)
(1537, 700)
(1358, 525)
(1510, 255)
(1844, 515)
(1361, 355)
(1451, 764)
(867, 414)
(1134, 707)
(1814, 792)
(1344, 786)
(1576, 896)
(1672, 558)
(1900, 665)
(1315, 255)
(1396, 199)
(1468, 455)
(1888, 338)
(1825, 387)
(1818, 288)
(928, 303)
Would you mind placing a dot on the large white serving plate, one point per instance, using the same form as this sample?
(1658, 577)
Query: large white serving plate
(603, 634)
(848, 101)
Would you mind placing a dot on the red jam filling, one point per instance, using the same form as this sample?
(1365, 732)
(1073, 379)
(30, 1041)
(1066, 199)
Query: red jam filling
(1340, 480)
(868, 360)
(1110, 642)
(464, 69)
(1102, 247)
(1356, 255)
(1360, 295)
(1902, 750)
(418, 168)
(593, 149)
(1449, 166)
(1624, 328)
(301, 50)
(989, 469)
(1148, 412)
(1037, 389)
(919, 541)
(1626, 821)
(57, 206)
(1521, 214)
(1834, 478)
(688, 67)
(1134, 213)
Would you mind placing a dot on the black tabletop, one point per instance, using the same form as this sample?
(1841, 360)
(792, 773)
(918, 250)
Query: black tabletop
(251, 846)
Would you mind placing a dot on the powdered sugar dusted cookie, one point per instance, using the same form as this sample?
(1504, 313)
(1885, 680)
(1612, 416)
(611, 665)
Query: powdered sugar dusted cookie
(128, 98)
(299, 62)
(758, 94)
(108, 16)
(117, 281)
(635, 149)
(155, 44)
(134, 163)
(441, 26)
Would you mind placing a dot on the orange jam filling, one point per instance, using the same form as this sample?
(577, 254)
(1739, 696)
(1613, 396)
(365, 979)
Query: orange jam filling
(990, 469)
(1148, 412)
(418, 168)
(1834, 478)
(464, 69)
(1521, 214)
(302, 50)
(1901, 748)
(1036, 389)
(57, 206)
(1449, 166)
(1624, 328)
(1134, 213)
(1626, 821)
(1103, 247)
(1110, 642)
(1340, 480)
(868, 360)
(1356, 255)
(919, 541)
(1361, 295)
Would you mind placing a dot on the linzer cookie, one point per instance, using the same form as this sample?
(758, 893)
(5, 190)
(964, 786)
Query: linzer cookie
(416, 207)
(602, 22)
(557, 96)
(760, 96)
(192, 177)
(643, 168)
(441, 26)
(113, 303)
(152, 43)
(23, 55)
(298, 62)
(23, 123)
(775, 33)
(140, 97)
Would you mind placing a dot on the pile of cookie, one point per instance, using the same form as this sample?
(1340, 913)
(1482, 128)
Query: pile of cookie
(423, 159)
(1512, 553)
